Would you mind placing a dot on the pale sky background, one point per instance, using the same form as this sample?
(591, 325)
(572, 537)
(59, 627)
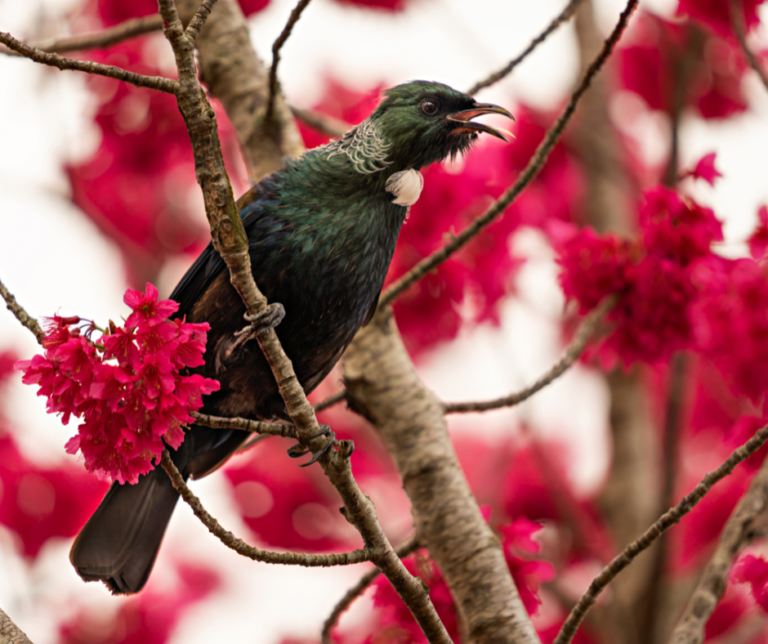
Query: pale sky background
(53, 259)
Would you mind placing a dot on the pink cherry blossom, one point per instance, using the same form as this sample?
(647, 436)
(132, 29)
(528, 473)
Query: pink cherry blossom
(753, 571)
(705, 169)
(139, 401)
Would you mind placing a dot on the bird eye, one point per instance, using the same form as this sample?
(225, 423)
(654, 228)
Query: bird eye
(428, 107)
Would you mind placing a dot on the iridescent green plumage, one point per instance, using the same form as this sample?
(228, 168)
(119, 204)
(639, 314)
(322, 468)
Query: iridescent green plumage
(322, 233)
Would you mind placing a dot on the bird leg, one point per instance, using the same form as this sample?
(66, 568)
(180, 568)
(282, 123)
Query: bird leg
(299, 450)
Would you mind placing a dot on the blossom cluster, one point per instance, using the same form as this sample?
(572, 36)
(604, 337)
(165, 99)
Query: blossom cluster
(653, 274)
(127, 387)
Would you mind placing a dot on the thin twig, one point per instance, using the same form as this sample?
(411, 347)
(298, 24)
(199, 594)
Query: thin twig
(21, 315)
(571, 354)
(655, 591)
(737, 22)
(747, 523)
(666, 521)
(246, 425)
(167, 85)
(322, 122)
(566, 15)
(276, 46)
(353, 593)
(526, 176)
(252, 552)
(99, 39)
(331, 400)
(198, 20)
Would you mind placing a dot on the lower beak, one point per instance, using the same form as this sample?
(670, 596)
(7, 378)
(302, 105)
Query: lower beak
(465, 123)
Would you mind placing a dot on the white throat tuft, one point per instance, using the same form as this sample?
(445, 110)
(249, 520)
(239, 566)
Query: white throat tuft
(406, 186)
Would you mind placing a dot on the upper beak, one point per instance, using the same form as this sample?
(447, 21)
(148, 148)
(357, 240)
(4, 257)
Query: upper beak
(467, 125)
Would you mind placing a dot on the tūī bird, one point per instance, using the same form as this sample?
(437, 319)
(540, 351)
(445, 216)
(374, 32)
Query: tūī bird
(321, 233)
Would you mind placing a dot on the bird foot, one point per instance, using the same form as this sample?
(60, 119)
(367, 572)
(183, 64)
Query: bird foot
(299, 450)
(262, 322)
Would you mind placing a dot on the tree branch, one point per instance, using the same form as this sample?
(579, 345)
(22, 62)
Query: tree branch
(252, 552)
(331, 400)
(276, 47)
(383, 386)
(654, 598)
(235, 75)
(572, 353)
(526, 176)
(21, 315)
(353, 593)
(665, 522)
(566, 15)
(246, 425)
(748, 521)
(198, 20)
(9, 632)
(739, 28)
(167, 85)
(101, 39)
(230, 241)
(322, 122)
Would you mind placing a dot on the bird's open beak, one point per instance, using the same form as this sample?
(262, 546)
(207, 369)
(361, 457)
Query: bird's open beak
(465, 117)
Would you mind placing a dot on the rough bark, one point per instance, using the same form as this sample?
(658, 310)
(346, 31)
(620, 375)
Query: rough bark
(10, 633)
(446, 516)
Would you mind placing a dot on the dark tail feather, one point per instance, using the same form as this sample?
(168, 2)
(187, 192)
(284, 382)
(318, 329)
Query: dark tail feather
(119, 544)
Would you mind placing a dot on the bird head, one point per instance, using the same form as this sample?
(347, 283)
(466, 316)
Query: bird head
(425, 122)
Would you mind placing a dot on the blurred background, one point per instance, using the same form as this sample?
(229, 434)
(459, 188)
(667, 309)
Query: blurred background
(97, 193)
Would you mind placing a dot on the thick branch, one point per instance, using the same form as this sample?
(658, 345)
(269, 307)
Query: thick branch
(167, 85)
(252, 552)
(9, 632)
(21, 315)
(353, 593)
(665, 522)
(571, 355)
(276, 47)
(748, 521)
(566, 15)
(526, 176)
(235, 75)
(383, 385)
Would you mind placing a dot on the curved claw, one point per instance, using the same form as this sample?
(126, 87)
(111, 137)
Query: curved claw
(299, 450)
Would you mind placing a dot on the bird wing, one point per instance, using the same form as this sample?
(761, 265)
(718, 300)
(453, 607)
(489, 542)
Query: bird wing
(196, 280)
(209, 264)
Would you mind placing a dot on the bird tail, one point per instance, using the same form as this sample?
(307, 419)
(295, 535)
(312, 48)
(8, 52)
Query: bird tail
(120, 542)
